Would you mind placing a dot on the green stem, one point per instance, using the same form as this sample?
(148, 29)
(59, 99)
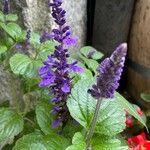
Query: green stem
(9, 54)
(93, 124)
(29, 120)
(37, 50)
(5, 21)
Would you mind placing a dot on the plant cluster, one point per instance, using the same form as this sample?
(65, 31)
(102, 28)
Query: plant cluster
(70, 101)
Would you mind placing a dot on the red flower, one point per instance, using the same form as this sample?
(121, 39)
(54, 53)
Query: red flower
(129, 122)
(140, 112)
(139, 142)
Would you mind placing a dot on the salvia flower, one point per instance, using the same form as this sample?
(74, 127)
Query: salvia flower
(109, 74)
(26, 43)
(6, 7)
(55, 71)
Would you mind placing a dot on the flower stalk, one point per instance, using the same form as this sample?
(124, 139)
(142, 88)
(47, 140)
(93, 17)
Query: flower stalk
(93, 124)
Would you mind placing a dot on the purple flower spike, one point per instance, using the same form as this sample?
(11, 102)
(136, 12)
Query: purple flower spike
(6, 7)
(109, 74)
(55, 70)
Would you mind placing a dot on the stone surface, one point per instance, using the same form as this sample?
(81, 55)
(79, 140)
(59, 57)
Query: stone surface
(10, 89)
(36, 15)
(111, 23)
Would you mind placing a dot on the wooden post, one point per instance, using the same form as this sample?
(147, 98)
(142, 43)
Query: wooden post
(139, 52)
(111, 23)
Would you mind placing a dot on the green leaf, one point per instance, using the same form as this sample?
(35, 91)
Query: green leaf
(91, 64)
(99, 142)
(71, 60)
(143, 116)
(36, 141)
(44, 117)
(48, 45)
(78, 137)
(13, 29)
(111, 120)
(129, 108)
(88, 50)
(46, 49)
(145, 97)
(78, 142)
(23, 65)
(35, 38)
(11, 124)
(1, 16)
(7, 41)
(107, 143)
(56, 142)
(21, 38)
(11, 17)
(87, 74)
(71, 128)
(3, 49)
(81, 146)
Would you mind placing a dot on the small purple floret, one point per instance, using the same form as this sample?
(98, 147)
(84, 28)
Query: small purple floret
(56, 123)
(70, 41)
(66, 88)
(18, 46)
(76, 69)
